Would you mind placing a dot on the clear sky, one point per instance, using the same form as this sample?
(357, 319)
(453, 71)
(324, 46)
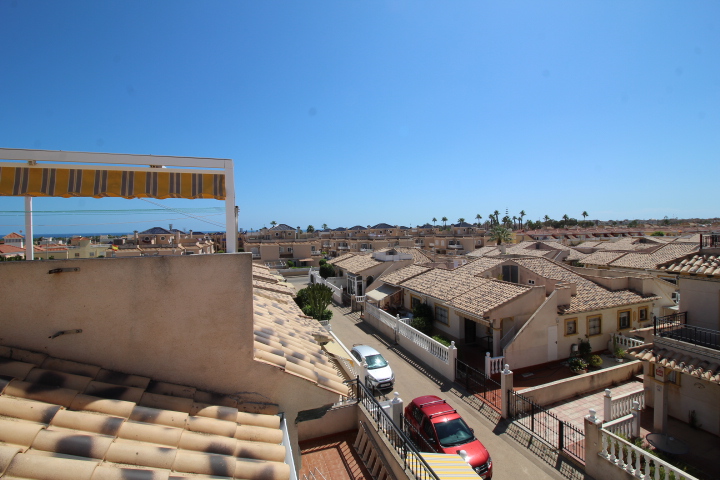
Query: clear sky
(360, 112)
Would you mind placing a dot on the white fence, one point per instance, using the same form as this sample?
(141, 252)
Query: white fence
(426, 349)
(623, 426)
(627, 342)
(616, 407)
(636, 461)
(314, 277)
(493, 364)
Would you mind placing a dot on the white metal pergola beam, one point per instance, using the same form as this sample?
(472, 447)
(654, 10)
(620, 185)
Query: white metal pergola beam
(219, 165)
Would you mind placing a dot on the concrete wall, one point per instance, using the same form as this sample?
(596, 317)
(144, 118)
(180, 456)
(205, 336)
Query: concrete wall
(338, 419)
(559, 390)
(185, 319)
(701, 299)
(529, 347)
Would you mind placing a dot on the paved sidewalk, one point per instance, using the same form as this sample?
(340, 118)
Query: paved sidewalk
(574, 410)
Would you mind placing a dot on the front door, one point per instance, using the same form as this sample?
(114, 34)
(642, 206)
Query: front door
(552, 343)
(470, 331)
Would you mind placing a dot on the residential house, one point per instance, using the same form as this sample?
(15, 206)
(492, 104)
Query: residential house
(14, 239)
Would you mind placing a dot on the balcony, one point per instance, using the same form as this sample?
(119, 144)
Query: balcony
(710, 241)
(454, 245)
(343, 247)
(326, 245)
(256, 256)
(315, 252)
(675, 327)
(366, 249)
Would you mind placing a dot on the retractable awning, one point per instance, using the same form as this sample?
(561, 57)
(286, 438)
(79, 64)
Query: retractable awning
(381, 292)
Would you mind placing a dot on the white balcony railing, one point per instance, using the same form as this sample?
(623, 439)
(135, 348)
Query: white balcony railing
(627, 342)
(493, 364)
(454, 245)
(255, 255)
(616, 407)
(315, 252)
(343, 247)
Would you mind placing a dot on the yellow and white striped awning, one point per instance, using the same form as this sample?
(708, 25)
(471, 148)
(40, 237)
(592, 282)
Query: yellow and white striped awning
(450, 466)
(98, 182)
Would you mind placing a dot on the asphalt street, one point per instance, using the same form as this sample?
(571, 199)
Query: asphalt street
(515, 455)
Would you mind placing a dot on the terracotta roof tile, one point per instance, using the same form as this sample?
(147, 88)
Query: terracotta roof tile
(681, 362)
(698, 264)
(357, 263)
(402, 274)
(487, 295)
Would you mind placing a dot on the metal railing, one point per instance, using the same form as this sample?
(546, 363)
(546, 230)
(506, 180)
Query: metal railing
(479, 384)
(710, 241)
(546, 426)
(404, 447)
(675, 327)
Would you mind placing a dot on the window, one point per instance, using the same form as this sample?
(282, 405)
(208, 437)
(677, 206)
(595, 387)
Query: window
(414, 302)
(289, 249)
(642, 314)
(570, 326)
(623, 319)
(594, 325)
(77, 255)
(531, 282)
(282, 249)
(441, 315)
(92, 254)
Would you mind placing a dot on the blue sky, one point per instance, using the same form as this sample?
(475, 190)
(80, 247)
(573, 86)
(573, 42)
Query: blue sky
(360, 112)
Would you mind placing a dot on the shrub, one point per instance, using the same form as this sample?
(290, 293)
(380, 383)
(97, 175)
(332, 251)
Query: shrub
(327, 270)
(423, 310)
(301, 298)
(657, 234)
(577, 363)
(290, 264)
(422, 324)
(584, 349)
(322, 262)
(619, 352)
(595, 361)
(441, 339)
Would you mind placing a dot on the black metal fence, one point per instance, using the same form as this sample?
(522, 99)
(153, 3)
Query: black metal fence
(479, 384)
(675, 326)
(544, 425)
(404, 447)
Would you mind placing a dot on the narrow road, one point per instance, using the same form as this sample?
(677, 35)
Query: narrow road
(512, 459)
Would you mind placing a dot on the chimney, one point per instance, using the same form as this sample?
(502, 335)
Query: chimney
(190, 233)
(177, 238)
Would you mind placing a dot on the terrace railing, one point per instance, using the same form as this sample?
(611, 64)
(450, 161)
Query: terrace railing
(622, 405)
(675, 327)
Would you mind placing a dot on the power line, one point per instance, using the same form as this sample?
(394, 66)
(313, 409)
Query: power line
(181, 212)
(116, 223)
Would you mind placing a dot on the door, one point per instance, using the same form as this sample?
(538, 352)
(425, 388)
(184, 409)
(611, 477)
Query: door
(470, 331)
(552, 343)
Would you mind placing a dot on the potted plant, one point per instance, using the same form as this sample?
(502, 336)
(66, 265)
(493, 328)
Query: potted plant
(619, 354)
(578, 365)
(595, 361)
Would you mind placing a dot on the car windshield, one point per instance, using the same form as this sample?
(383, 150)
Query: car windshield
(375, 361)
(453, 432)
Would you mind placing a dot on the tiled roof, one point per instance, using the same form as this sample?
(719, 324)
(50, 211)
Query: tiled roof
(442, 284)
(487, 295)
(156, 231)
(418, 255)
(382, 225)
(402, 274)
(483, 251)
(695, 264)
(67, 420)
(13, 235)
(576, 255)
(480, 265)
(274, 287)
(340, 229)
(602, 257)
(263, 274)
(664, 254)
(590, 296)
(357, 227)
(463, 224)
(286, 339)
(357, 263)
(681, 362)
(11, 249)
(281, 226)
(342, 257)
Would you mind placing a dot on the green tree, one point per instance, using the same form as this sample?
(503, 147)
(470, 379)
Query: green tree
(434, 220)
(314, 300)
(273, 223)
(522, 214)
(461, 220)
(506, 221)
(310, 229)
(584, 214)
(500, 234)
(327, 270)
(324, 226)
(547, 219)
(478, 217)
(565, 218)
(422, 318)
(444, 220)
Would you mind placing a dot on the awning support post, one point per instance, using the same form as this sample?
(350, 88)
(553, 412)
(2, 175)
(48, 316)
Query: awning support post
(29, 249)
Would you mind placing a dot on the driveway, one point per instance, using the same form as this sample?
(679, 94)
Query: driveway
(512, 459)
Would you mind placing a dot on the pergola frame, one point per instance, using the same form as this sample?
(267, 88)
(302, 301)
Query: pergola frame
(138, 163)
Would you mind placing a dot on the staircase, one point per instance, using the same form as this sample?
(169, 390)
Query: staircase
(371, 455)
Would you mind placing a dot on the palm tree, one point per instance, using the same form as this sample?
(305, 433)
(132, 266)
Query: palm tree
(506, 220)
(444, 220)
(500, 234)
(310, 229)
(434, 220)
(461, 220)
(478, 217)
(584, 215)
(565, 219)
(514, 219)
(547, 220)
(496, 213)
(324, 225)
(273, 223)
(522, 214)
